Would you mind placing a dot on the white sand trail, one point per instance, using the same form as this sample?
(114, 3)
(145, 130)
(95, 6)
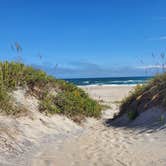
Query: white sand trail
(101, 145)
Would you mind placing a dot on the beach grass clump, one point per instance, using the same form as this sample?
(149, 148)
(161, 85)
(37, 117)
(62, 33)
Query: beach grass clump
(7, 106)
(55, 96)
(146, 96)
(73, 103)
(132, 114)
(4, 102)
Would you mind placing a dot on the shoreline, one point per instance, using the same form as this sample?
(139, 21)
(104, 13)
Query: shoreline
(109, 81)
(108, 85)
(107, 94)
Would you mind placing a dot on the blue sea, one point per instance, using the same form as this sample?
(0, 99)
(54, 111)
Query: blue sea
(109, 81)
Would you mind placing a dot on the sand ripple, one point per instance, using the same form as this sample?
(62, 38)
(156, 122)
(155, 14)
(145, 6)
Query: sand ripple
(107, 146)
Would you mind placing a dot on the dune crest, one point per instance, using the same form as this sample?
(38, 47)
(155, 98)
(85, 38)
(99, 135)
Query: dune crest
(103, 144)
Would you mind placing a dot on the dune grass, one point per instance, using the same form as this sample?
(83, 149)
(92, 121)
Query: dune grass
(55, 96)
(146, 96)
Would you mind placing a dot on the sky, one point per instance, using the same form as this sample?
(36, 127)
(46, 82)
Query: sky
(85, 38)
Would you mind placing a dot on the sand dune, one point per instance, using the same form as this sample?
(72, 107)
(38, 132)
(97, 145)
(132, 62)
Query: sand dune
(102, 146)
(106, 145)
(57, 141)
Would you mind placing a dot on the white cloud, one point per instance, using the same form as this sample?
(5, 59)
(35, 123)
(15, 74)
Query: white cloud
(159, 18)
(150, 67)
(159, 38)
(87, 69)
(162, 38)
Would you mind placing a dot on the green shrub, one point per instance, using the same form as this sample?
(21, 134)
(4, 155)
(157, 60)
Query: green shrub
(69, 100)
(132, 114)
(7, 106)
(146, 96)
(47, 104)
(5, 103)
(72, 104)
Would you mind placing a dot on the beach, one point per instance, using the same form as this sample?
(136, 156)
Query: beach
(108, 93)
(42, 140)
(83, 83)
(102, 145)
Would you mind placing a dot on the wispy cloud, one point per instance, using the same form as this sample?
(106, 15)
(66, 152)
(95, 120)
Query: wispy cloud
(159, 18)
(88, 69)
(163, 37)
(150, 67)
(159, 38)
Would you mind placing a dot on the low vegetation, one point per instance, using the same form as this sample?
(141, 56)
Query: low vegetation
(146, 96)
(55, 96)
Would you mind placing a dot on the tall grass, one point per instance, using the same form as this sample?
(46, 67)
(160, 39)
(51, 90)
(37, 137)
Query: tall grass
(67, 99)
(145, 96)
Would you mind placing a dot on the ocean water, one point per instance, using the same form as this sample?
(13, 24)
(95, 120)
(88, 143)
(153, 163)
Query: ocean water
(109, 81)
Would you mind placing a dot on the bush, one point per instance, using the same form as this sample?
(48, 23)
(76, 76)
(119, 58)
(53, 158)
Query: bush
(132, 114)
(146, 96)
(72, 104)
(47, 105)
(5, 102)
(68, 100)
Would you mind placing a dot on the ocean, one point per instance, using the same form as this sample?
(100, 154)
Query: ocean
(109, 81)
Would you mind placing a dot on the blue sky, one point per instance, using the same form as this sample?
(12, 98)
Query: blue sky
(86, 38)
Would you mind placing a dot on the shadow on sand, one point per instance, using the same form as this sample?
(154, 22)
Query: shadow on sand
(149, 121)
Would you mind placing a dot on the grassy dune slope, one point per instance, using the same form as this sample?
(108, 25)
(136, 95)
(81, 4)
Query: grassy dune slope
(145, 96)
(55, 96)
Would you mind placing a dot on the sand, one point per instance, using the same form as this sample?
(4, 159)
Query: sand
(102, 142)
(24, 137)
(108, 93)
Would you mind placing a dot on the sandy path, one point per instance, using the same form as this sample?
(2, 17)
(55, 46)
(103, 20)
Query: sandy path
(107, 146)
(101, 145)
(107, 93)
